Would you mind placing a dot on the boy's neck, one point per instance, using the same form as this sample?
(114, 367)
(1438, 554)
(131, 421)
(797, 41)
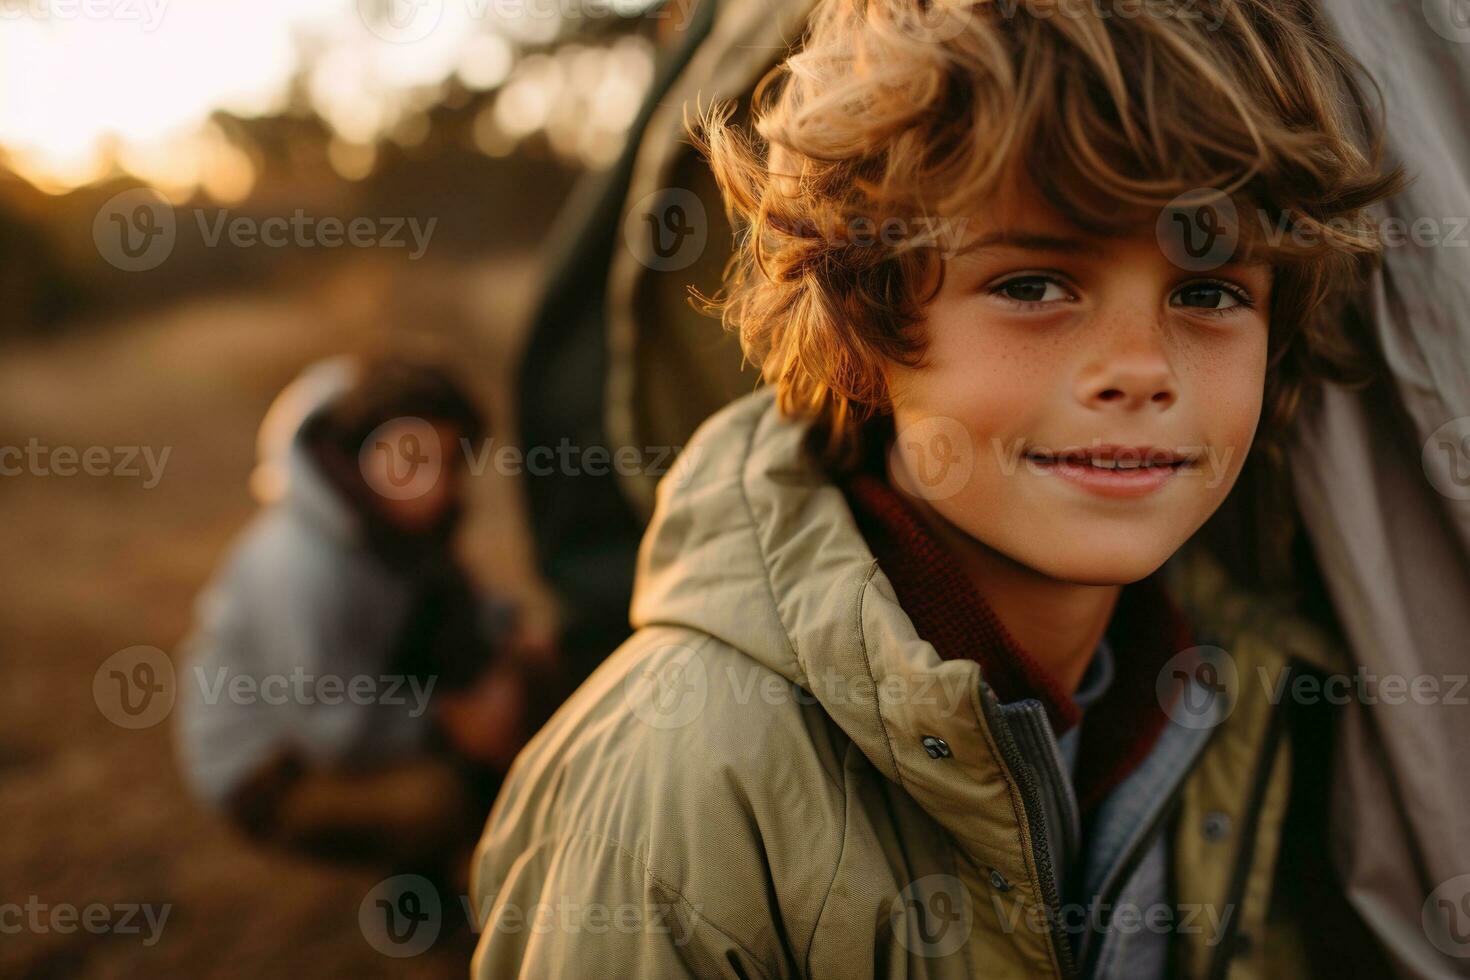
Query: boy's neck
(1058, 623)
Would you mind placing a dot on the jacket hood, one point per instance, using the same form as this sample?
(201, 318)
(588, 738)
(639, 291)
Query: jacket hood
(753, 545)
(286, 471)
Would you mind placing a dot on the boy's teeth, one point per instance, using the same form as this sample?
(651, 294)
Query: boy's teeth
(1118, 464)
(1101, 462)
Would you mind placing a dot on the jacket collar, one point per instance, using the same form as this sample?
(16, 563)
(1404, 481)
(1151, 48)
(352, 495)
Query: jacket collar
(947, 611)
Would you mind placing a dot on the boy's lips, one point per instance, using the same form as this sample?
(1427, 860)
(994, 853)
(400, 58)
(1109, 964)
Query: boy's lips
(1113, 470)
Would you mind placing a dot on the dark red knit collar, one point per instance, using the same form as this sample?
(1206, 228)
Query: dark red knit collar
(1146, 629)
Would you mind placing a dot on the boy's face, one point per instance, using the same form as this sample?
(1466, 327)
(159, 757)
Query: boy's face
(1042, 341)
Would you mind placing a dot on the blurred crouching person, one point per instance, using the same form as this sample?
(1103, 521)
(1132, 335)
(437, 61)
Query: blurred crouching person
(342, 692)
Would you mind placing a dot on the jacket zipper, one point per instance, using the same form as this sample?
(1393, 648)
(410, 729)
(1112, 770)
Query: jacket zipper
(1140, 847)
(1036, 818)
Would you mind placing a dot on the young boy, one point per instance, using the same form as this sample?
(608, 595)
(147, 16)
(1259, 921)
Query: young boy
(920, 686)
(340, 694)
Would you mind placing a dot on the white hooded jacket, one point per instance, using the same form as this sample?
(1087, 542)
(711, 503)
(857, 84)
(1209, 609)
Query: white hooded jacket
(294, 635)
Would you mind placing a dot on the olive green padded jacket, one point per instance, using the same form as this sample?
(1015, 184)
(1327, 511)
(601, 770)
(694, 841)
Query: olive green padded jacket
(743, 789)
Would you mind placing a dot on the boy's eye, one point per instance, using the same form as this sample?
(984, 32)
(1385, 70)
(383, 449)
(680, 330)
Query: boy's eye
(1031, 289)
(1209, 296)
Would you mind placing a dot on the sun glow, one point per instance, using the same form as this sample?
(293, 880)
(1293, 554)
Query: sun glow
(90, 88)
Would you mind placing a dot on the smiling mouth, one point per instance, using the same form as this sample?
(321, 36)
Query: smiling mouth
(1115, 458)
(1112, 471)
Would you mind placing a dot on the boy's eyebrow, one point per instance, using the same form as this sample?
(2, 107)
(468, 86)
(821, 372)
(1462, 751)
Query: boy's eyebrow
(1034, 241)
(1029, 240)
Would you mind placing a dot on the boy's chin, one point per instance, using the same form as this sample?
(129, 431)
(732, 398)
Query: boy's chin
(1103, 562)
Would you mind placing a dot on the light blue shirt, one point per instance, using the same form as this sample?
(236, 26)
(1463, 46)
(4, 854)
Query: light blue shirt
(1086, 869)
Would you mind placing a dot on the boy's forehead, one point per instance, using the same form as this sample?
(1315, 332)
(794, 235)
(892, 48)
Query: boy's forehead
(1022, 218)
(1025, 221)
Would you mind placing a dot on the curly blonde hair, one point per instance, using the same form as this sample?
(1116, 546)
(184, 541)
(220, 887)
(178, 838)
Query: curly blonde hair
(926, 108)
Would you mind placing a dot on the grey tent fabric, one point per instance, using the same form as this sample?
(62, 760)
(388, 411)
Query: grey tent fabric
(747, 38)
(1383, 484)
(585, 531)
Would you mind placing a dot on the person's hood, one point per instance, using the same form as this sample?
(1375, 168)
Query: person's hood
(286, 470)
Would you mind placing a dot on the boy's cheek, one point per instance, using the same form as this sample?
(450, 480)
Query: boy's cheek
(1237, 423)
(986, 410)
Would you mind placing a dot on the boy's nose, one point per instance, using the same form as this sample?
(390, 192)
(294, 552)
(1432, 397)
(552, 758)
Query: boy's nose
(1132, 386)
(1138, 376)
